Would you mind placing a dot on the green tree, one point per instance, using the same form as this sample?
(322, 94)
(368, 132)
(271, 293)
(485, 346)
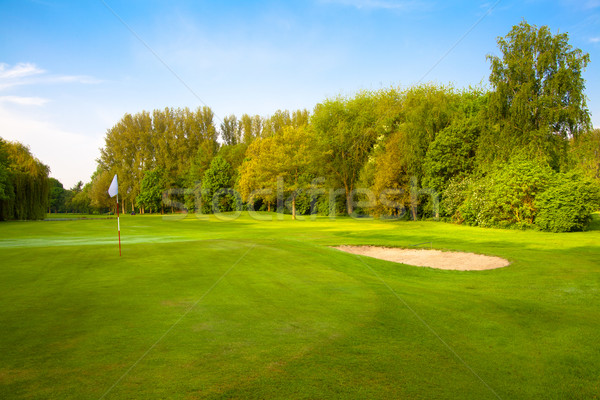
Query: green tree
(345, 130)
(230, 130)
(217, 187)
(152, 188)
(26, 185)
(257, 179)
(538, 99)
(98, 191)
(57, 196)
(4, 172)
(568, 203)
(452, 154)
(585, 153)
(81, 202)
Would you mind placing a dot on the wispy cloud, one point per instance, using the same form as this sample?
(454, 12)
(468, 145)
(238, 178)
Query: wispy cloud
(20, 70)
(23, 74)
(24, 101)
(595, 39)
(399, 5)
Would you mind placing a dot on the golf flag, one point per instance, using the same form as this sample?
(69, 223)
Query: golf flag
(113, 191)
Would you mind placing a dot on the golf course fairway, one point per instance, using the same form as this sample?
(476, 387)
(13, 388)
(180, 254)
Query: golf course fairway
(246, 308)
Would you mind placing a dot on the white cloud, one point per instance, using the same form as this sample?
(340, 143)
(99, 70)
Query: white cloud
(23, 101)
(19, 71)
(84, 79)
(29, 74)
(595, 40)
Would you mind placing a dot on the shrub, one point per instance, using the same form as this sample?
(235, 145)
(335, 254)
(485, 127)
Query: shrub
(567, 205)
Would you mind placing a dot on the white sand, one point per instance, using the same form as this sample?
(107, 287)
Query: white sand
(429, 258)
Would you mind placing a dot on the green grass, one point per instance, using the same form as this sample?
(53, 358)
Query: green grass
(250, 309)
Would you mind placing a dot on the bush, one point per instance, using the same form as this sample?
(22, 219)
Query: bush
(502, 198)
(568, 204)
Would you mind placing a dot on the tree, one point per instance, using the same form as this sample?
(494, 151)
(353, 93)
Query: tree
(98, 190)
(257, 180)
(152, 188)
(229, 130)
(568, 204)
(217, 187)
(4, 172)
(345, 128)
(25, 183)
(451, 154)
(57, 196)
(538, 99)
(585, 153)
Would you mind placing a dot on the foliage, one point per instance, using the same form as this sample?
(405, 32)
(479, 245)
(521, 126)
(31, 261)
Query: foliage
(503, 197)
(585, 154)
(4, 172)
(98, 191)
(287, 157)
(24, 181)
(230, 132)
(538, 100)
(568, 204)
(345, 130)
(217, 187)
(451, 154)
(152, 189)
(58, 196)
(488, 153)
(170, 139)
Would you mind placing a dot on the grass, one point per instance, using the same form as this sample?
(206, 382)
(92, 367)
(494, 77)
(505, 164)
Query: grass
(265, 309)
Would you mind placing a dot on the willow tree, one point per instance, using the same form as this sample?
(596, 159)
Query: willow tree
(4, 172)
(538, 99)
(25, 185)
(345, 128)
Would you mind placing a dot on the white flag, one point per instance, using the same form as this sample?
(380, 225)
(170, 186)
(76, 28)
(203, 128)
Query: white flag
(113, 190)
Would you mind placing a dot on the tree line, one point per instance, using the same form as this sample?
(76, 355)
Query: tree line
(519, 153)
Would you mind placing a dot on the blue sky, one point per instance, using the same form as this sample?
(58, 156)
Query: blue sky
(69, 70)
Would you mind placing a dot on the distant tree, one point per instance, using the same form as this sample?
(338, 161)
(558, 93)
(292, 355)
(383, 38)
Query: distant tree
(230, 131)
(81, 202)
(257, 179)
(4, 172)
(391, 179)
(57, 196)
(217, 185)
(345, 130)
(152, 188)
(276, 122)
(25, 183)
(538, 99)
(98, 191)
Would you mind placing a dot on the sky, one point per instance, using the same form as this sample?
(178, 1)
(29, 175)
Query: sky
(70, 70)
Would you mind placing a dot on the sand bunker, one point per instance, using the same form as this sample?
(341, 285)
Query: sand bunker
(429, 258)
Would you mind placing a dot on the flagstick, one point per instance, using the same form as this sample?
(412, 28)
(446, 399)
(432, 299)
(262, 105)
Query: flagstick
(118, 225)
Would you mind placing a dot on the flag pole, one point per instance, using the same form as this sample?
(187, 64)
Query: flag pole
(118, 225)
(113, 191)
